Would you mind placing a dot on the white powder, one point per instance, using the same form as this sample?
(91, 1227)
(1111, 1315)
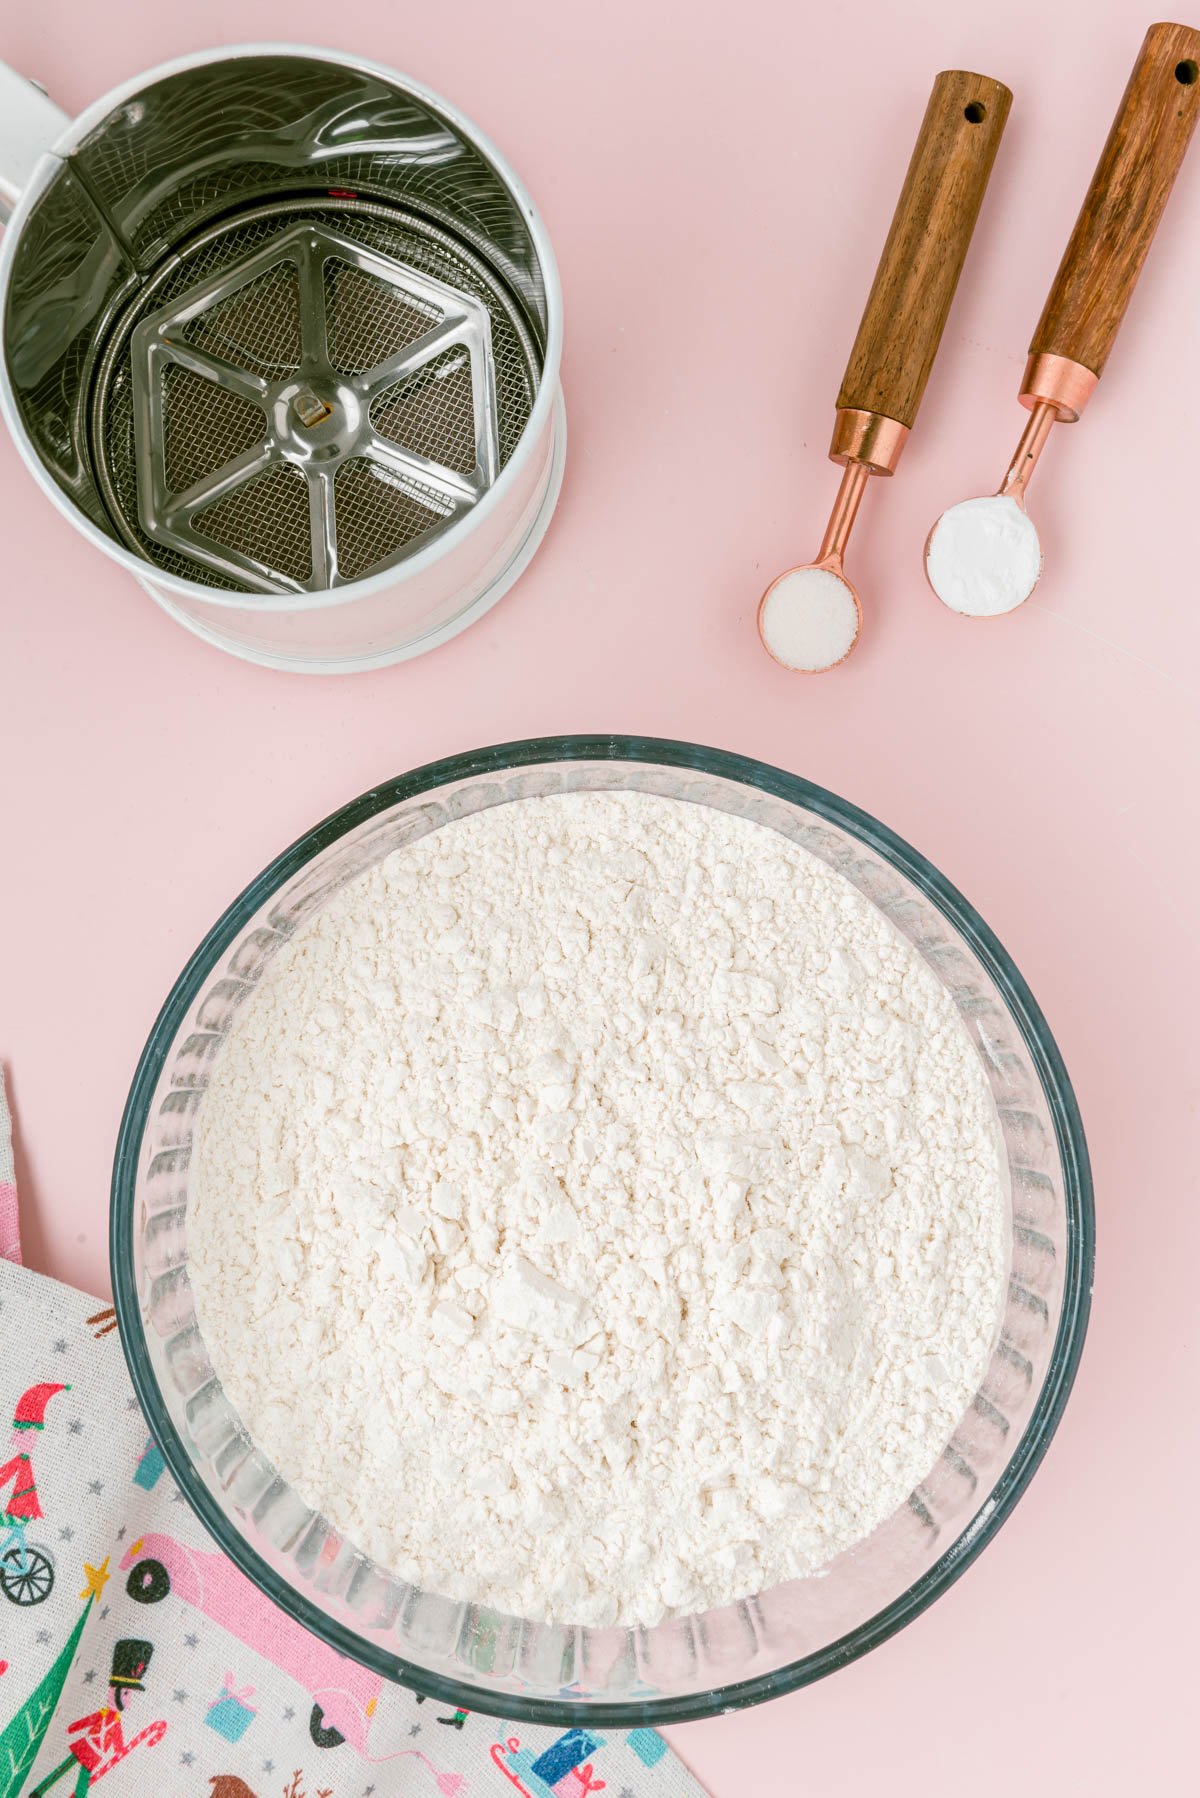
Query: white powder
(809, 619)
(597, 1211)
(983, 556)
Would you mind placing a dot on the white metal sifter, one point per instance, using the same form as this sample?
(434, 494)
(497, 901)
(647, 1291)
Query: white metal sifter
(281, 334)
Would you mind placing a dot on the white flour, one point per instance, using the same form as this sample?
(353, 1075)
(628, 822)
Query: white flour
(597, 1211)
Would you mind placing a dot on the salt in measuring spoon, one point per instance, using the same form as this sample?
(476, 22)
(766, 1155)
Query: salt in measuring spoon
(983, 557)
(809, 618)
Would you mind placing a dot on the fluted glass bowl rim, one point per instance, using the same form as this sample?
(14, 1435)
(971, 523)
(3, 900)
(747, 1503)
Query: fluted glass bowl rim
(1043, 1053)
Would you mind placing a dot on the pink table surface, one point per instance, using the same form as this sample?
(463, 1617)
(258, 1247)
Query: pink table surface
(718, 182)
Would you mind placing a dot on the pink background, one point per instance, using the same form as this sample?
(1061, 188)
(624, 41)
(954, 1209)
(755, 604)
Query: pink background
(718, 181)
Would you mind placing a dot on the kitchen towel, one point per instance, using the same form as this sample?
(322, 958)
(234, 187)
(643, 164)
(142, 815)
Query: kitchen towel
(131, 1647)
(10, 1236)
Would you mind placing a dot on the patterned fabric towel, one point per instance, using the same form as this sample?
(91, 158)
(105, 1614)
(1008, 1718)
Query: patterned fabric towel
(129, 1645)
(10, 1235)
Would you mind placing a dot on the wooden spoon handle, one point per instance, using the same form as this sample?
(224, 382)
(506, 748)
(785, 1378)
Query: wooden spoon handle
(918, 272)
(1118, 219)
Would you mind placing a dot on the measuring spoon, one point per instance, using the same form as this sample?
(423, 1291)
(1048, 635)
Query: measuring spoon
(809, 619)
(983, 557)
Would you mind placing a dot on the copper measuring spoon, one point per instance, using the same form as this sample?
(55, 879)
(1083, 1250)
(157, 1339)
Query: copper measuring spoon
(809, 618)
(983, 557)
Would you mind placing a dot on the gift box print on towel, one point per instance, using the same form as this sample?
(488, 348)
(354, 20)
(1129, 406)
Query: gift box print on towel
(132, 1650)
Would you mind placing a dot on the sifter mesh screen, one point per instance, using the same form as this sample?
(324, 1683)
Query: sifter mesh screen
(270, 511)
(368, 320)
(422, 381)
(256, 328)
(203, 425)
(378, 517)
(433, 413)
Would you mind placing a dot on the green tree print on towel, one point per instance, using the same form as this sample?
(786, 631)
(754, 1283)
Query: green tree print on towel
(24, 1734)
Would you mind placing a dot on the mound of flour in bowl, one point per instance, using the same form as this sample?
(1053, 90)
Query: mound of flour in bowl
(597, 1211)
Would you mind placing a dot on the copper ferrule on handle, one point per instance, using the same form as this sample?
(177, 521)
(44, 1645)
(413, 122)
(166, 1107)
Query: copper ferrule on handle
(867, 437)
(1059, 382)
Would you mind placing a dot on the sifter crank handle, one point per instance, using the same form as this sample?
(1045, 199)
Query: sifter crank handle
(1117, 222)
(30, 123)
(918, 271)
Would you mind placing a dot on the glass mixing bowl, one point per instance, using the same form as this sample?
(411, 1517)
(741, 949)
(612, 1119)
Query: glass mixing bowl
(465, 1654)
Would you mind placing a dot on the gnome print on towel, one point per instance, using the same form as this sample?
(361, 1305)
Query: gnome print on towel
(26, 1569)
(99, 1739)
